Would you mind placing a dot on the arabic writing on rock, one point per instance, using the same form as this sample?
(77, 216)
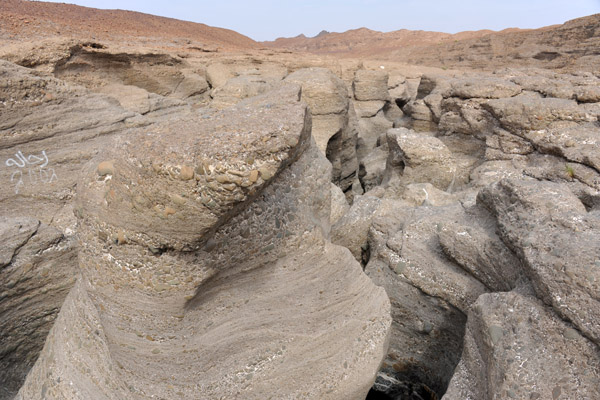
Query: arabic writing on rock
(32, 169)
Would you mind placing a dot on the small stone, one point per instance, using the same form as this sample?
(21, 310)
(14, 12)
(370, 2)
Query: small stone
(177, 199)
(121, 239)
(155, 351)
(186, 173)
(571, 333)
(253, 176)
(400, 267)
(265, 173)
(268, 248)
(223, 179)
(556, 392)
(496, 333)
(106, 168)
(291, 141)
(161, 287)
(426, 327)
(169, 211)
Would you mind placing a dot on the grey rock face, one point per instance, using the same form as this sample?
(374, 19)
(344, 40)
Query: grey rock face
(576, 142)
(41, 153)
(369, 131)
(426, 339)
(416, 158)
(334, 127)
(473, 244)
(525, 113)
(429, 293)
(339, 205)
(482, 87)
(516, 349)
(37, 270)
(351, 230)
(239, 88)
(243, 296)
(370, 85)
(372, 168)
(557, 238)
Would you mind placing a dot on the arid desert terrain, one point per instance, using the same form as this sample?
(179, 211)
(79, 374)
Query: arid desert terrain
(187, 213)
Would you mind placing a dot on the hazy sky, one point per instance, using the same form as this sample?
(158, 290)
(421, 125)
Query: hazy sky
(269, 19)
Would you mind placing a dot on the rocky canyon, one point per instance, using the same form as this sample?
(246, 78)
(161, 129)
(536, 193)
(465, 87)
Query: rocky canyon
(190, 214)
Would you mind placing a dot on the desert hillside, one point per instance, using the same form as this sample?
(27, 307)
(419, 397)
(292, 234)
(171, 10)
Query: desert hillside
(20, 18)
(575, 44)
(367, 42)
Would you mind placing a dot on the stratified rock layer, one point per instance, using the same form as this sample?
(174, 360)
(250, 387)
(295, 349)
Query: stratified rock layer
(37, 270)
(206, 272)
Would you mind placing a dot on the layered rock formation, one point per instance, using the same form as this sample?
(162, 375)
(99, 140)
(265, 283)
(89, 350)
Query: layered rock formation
(203, 251)
(206, 217)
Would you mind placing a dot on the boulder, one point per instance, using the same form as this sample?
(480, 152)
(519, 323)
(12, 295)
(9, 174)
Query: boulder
(551, 231)
(352, 229)
(521, 113)
(322, 90)
(334, 123)
(370, 85)
(238, 88)
(588, 94)
(575, 142)
(465, 116)
(368, 109)
(372, 168)
(548, 86)
(504, 145)
(482, 87)
(473, 244)
(414, 253)
(191, 85)
(416, 158)
(515, 348)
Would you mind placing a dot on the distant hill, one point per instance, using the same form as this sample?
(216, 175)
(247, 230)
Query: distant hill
(27, 18)
(366, 42)
(574, 44)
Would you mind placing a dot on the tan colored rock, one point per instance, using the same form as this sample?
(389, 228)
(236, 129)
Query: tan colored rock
(370, 85)
(482, 87)
(416, 158)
